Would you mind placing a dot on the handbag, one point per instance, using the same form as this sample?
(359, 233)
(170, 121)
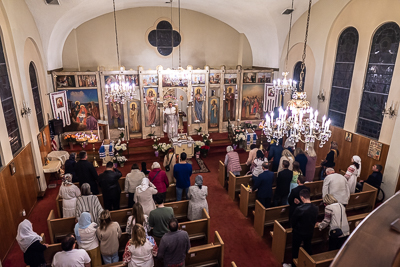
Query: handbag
(335, 233)
(167, 168)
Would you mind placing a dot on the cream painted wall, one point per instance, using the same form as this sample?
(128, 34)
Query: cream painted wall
(205, 41)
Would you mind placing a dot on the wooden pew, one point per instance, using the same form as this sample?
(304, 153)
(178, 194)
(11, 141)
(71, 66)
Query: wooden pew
(317, 173)
(234, 184)
(363, 200)
(171, 193)
(198, 229)
(207, 255)
(282, 238)
(50, 252)
(316, 260)
(233, 264)
(180, 208)
(222, 172)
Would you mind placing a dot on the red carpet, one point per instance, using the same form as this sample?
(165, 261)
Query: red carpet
(242, 244)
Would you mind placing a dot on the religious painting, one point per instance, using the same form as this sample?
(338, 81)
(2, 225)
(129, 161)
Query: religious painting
(249, 77)
(252, 101)
(175, 80)
(374, 150)
(60, 102)
(213, 112)
(230, 78)
(263, 77)
(150, 80)
(65, 81)
(115, 113)
(134, 116)
(215, 78)
(87, 81)
(84, 111)
(229, 109)
(198, 79)
(271, 99)
(348, 136)
(132, 80)
(198, 114)
(152, 116)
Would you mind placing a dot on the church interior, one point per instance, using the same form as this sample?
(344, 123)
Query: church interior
(127, 80)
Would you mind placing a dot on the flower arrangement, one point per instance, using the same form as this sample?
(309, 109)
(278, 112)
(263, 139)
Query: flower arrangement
(240, 135)
(119, 159)
(206, 139)
(248, 125)
(70, 138)
(120, 147)
(122, 134)
(161, 147)
(198, 145)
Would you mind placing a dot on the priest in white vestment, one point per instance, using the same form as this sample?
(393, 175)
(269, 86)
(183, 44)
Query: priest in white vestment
(171, 121)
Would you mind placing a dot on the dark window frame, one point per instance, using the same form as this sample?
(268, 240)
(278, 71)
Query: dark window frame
(37, 101)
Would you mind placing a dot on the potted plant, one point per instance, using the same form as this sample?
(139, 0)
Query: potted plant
(152, 135)
(198, 130)
(71, 139)
(121, 134)
(239, 137)
(120, 160)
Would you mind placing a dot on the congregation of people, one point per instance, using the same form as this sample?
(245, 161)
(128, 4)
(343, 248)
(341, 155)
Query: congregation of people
(295, 168)
(152, 227)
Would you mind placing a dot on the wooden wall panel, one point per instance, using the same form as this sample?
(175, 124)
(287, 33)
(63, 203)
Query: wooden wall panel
(45, 149)
(17, 192)
(359, 146)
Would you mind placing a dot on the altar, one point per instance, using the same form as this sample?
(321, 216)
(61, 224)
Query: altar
(185, 144)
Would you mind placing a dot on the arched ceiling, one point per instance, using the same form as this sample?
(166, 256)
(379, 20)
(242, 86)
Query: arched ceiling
(260, 20)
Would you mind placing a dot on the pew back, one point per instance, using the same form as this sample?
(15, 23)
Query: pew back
(221, 173)
(207, 255)
(180, 208)
(317, 260)
(234, 184)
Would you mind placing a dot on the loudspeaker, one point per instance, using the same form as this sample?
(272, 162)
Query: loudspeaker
(56, 126)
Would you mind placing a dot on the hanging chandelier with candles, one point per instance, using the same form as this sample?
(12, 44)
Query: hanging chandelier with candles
(299, 122)
(119, 91)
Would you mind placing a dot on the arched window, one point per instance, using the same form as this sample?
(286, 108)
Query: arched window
(36, 95)
(382, 59)
(296, 74)
(7, 101)
(342, 76)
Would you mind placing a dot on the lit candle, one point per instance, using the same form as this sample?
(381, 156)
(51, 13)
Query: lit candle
(323, 121)
(315, 116)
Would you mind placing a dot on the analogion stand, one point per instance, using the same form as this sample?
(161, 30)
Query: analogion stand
(185, 144)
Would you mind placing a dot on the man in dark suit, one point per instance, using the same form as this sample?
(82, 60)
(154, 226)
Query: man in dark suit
(110, 187)
(275, 153)
(263, 183)
(294, 197)
(375, 179)
(283, 185)
(86, 173)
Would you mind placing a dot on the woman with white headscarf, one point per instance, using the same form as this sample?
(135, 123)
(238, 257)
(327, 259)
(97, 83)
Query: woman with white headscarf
(197, 195)
(29, 242)
(144, 195)
(69, 192)
(353, 172)
(85, 232)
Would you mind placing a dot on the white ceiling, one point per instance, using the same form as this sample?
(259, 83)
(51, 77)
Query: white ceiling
(260, 20)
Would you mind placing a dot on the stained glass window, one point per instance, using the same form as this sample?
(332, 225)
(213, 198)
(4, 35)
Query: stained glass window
(36, 95)
(342, 76)
(382, 59)
(7, 101)
(296, 75)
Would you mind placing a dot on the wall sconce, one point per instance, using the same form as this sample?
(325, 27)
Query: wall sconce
(25, 111)
(321, 97)
(390, 111)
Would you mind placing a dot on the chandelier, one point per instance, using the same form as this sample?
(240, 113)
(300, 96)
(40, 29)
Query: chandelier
(120, 91)
(299, 121)
(285, 86)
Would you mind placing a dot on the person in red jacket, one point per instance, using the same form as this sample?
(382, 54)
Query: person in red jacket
(159, 178)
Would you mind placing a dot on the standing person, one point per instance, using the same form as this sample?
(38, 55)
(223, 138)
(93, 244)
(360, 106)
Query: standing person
(159, 219)
(311, 162)
(330, 159)
(275, 153)
(174, 245)
(353, 172)
(256, 167)
(108, 234)
(169, 163)
(294, 199)
(69, 256)
(303, 222)
(290, 145)
(232, 161)
(171, 121)
(197, 195)
(87, 202)
(301, 158)
(144, 195)
(252, 154)
(283, 185)
(139, 217)
(263, 183)
(159, 178)
(133, 180)
(29, 242)
(86, 173)
(375, 179)
(85, 232)
(144, 169)
(296, 173)
(286, 155)
(110, 187)
(69, 167)
(335, 218)
(68, 192)
(139, 250)
(182, 173)
(336, 185)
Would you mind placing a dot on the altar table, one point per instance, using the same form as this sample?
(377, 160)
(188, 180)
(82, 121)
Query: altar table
(183, 145)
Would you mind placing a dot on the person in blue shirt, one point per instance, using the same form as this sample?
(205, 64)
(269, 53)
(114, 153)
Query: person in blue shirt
(275, 152)
(263, 183)
(182, 173)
